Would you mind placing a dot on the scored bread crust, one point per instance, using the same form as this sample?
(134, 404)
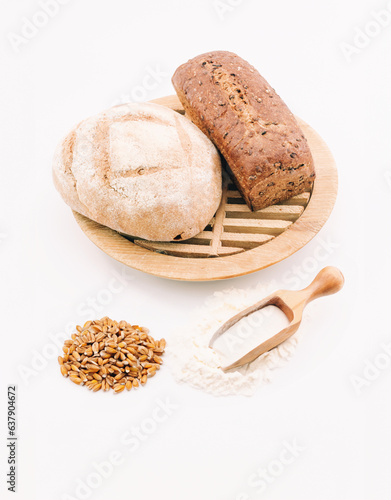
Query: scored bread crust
(266, 151)
(140, 169)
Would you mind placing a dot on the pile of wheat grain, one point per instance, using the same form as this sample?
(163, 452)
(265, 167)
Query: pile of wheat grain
(104, 354)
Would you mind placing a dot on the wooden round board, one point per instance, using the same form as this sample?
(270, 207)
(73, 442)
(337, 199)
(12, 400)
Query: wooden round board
(237, 241)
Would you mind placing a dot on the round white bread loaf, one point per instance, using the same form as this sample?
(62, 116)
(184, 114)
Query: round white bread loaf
(141, 169)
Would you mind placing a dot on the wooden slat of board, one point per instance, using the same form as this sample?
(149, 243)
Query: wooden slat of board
(187, 250)
(282, 212)
(203, 238)
(245, 240)
(219, 218)
(234, 193)
(259, 226)
(300, 199)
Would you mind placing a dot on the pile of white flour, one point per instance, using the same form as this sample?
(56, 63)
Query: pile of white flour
(192, 361)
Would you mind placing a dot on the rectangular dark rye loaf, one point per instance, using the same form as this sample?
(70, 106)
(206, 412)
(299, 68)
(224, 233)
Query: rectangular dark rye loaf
(266, 151)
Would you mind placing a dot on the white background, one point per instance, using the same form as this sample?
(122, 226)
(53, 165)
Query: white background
(93, 54)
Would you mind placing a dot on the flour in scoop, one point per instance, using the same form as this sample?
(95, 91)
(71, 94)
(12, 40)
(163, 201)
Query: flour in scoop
(192, 361)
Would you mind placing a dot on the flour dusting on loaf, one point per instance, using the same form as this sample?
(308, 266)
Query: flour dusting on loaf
(266, 151)
(141, 169)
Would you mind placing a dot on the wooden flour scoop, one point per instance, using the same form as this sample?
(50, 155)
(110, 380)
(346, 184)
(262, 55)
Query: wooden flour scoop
(292, 303)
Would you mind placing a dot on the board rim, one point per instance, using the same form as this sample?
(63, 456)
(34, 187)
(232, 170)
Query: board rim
(302, 231)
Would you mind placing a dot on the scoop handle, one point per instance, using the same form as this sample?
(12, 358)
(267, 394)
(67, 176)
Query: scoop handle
(328, 281)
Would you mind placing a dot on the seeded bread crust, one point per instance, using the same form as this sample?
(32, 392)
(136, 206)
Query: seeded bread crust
(266, 151)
